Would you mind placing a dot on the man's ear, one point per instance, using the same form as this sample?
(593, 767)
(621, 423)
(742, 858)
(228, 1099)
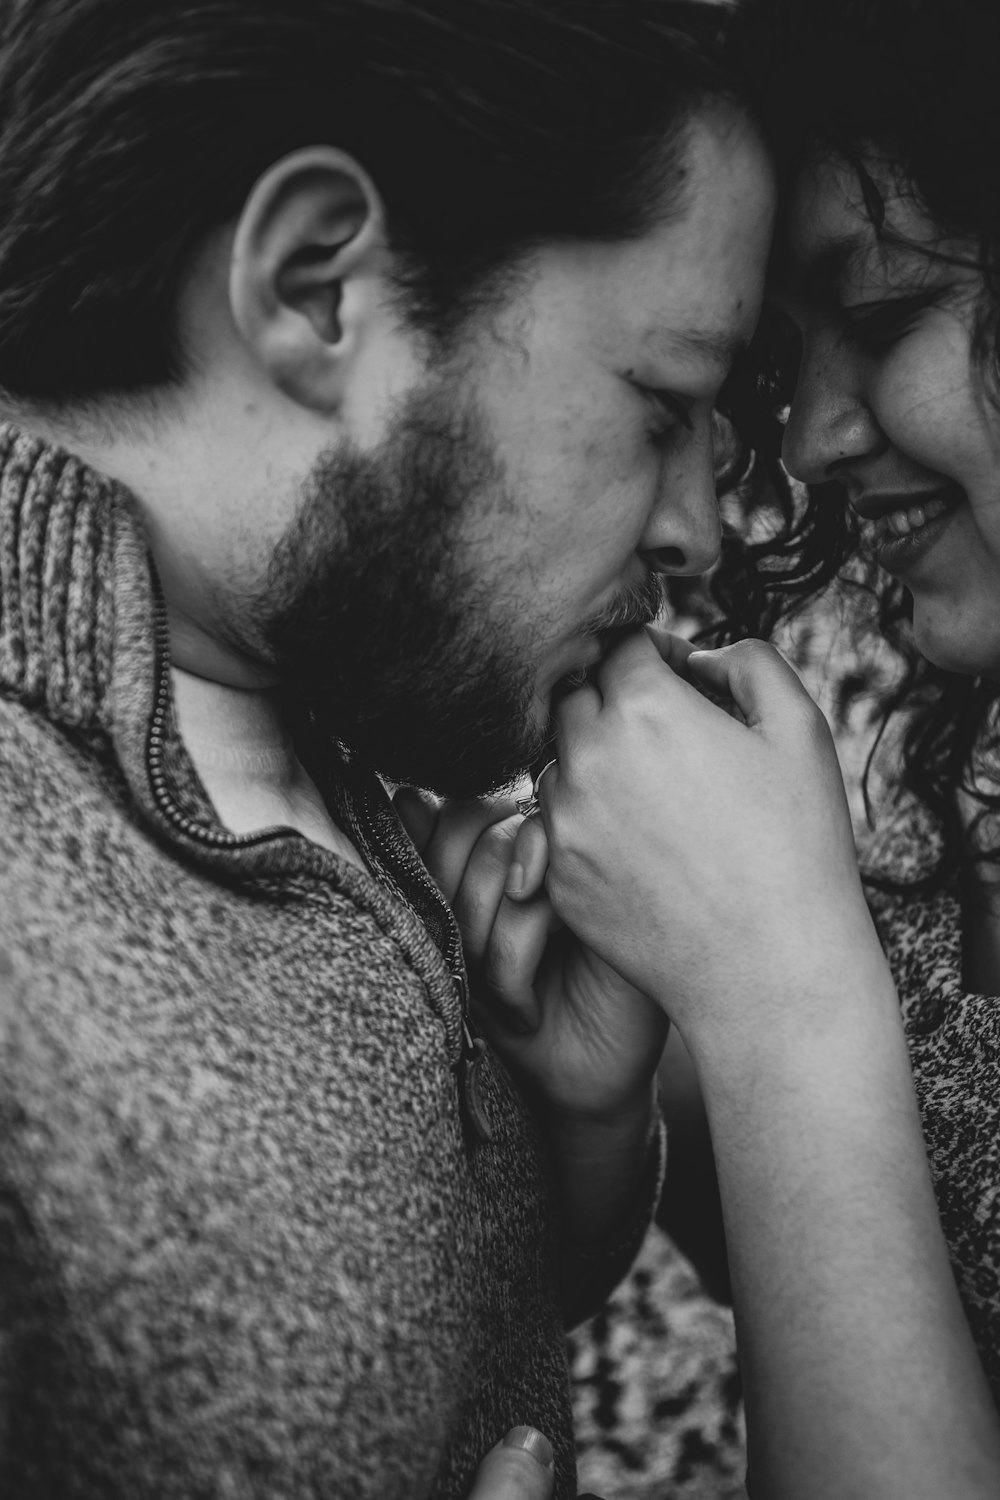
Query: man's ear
(304, 271)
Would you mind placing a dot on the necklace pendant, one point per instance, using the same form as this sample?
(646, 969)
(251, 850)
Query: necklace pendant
(470, 1091)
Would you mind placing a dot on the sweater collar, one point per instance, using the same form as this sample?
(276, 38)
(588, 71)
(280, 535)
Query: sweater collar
(76, 587)
(84, 641)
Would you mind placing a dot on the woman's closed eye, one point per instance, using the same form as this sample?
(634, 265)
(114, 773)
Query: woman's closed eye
(876, 325)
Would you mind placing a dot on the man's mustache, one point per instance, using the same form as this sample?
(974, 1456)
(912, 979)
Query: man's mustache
(637, 605)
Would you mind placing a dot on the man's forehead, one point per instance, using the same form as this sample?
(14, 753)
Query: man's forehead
(716, 345)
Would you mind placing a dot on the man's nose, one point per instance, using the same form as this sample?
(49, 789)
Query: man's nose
(830, 425)
(684, 533)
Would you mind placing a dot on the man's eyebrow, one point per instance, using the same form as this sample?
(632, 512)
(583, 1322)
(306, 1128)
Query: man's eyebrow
(720, 347)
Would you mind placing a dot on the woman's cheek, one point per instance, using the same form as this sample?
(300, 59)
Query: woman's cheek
(923, 405)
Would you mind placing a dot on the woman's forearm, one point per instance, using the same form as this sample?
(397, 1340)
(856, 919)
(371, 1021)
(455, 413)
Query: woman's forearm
(860, 1375)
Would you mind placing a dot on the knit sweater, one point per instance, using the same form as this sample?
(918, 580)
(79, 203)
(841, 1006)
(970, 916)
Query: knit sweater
(249, 1243)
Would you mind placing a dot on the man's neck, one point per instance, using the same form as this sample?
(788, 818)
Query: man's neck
(247, 763)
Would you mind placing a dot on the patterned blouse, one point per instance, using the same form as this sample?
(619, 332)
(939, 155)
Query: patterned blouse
(954, 1041)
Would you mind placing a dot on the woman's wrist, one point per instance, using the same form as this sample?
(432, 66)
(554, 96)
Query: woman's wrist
(793, 1017)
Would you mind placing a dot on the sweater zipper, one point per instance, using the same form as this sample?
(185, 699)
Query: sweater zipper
(469, 1065)
(213, 838)
(468, 1068)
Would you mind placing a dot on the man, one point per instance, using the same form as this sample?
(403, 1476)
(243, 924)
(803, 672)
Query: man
(359, 360)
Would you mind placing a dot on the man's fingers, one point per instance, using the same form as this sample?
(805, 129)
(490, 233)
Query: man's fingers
(529, 860)
(457, 830)
(521, 1467)
(509, 965)
(758, 680)
(477, 896)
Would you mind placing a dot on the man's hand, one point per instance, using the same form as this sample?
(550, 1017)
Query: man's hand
(582, 1043)
(576, 1035)
(520, 1467)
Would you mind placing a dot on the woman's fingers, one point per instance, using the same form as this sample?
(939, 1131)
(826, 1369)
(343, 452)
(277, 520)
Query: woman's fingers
(636, 667)
(645, 668)
(758, 680)
(673, 649)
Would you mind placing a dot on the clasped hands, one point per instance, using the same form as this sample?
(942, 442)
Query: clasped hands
(580, 1040)
(684, 855)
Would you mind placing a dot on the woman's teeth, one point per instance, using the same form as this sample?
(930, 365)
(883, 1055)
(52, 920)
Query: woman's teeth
(902, 522)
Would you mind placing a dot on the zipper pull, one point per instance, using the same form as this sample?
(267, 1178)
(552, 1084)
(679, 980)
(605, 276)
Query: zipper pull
(470, 1086)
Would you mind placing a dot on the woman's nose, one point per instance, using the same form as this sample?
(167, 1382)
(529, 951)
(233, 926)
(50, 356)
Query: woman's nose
(830, 425)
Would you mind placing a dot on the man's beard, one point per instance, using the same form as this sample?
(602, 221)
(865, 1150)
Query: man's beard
(398, 649)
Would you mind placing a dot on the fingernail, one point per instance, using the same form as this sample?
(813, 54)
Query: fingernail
(514, 884)
(533, 1442)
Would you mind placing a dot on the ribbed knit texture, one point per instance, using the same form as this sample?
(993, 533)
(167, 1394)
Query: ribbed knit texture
(55, 595)
(954, 1041)
(247, 1246)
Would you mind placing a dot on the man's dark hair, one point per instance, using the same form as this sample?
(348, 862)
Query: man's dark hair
(129, 129)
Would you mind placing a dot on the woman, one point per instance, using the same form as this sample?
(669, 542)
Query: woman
(708, 856)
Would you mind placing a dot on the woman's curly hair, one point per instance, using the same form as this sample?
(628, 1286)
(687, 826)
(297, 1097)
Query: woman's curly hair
(916, 80)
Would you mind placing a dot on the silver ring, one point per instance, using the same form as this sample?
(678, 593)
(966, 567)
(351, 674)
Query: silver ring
(528, 806)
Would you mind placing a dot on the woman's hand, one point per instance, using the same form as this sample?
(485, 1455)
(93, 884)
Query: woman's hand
(709, 857)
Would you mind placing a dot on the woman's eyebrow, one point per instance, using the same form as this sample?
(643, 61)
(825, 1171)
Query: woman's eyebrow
(819, 279)
(823, 272)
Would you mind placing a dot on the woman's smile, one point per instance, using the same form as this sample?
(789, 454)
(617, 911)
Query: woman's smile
(890, 407)
(901, 530)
